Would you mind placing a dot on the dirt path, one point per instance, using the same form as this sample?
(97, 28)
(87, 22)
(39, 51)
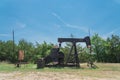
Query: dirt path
(47, 76)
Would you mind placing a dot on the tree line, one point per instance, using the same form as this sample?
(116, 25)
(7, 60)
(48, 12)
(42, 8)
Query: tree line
(102, 50)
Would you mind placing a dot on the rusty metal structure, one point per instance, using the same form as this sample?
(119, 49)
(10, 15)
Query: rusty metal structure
(20, 58)
(56, 57)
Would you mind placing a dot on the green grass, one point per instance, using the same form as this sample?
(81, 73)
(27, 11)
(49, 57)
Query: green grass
(104, 70)
(6, 67)
(32, 67)
(109, 66)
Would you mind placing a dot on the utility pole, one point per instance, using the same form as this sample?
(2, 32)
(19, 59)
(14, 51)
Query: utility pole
(13, 41)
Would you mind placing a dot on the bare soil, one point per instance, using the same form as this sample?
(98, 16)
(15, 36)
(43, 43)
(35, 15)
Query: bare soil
(55, 76)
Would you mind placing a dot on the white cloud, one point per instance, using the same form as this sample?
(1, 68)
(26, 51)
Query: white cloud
(4, 35)
(77, 27)
(105, 36)
(59, 18)
(56, 25)
(20, 25)
(82, 28)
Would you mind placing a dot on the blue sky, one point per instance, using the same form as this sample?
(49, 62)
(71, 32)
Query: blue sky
(46, 20)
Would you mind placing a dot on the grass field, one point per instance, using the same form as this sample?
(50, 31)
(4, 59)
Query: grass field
(105, 71)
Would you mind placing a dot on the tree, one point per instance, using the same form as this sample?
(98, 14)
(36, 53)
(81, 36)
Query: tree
(42, 50)
(2, 51)
(28, 49)
(113, 48)
(98, 47)
(104, 50)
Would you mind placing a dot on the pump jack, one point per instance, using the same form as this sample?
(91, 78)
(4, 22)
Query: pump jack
(74, 41)
(57, 56)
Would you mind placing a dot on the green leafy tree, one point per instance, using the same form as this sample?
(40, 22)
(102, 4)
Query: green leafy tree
(42, 50)
(28, 49)
(113, 48)
(98, 47)
(2, 51)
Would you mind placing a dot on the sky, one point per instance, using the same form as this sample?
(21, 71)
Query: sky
(47, 20)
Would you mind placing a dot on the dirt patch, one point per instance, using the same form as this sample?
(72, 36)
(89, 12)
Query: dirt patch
(48, 76)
